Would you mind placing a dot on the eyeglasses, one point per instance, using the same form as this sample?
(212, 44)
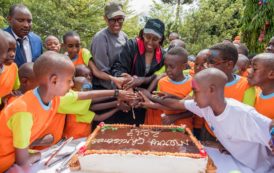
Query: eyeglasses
(113, 21)
(212, 62)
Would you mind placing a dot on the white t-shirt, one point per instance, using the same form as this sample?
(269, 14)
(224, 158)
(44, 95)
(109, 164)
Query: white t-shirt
(242, 131)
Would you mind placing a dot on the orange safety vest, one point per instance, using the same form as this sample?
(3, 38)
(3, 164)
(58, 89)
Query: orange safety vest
(7, 79)
(179, 89)
(41, 120)
(264, 105)
(76, 129)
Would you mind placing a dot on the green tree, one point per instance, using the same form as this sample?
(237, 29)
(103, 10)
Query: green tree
(164, 12)
(56, 17)
(212, 22)
(257, 24)
(178, 4)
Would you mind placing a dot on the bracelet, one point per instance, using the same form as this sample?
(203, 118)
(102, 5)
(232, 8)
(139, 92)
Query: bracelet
(116, 93)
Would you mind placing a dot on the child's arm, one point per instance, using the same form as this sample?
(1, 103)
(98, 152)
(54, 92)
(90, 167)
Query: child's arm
(121, 94)
(23, 157)
(102, 99)
(105, 116)
(164, 104)
(118, 81)
(138, 81)
(44, 141)
(170, 119)
(154, 83)
(102, 106)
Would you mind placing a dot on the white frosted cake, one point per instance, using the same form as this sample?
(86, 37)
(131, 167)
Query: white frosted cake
(120, 148)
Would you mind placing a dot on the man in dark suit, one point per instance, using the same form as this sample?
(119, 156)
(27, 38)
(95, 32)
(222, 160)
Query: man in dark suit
(29, 45)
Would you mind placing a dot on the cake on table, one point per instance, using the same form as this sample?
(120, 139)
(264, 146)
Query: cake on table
(119, 148)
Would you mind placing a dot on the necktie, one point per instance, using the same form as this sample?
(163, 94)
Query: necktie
(22, 50)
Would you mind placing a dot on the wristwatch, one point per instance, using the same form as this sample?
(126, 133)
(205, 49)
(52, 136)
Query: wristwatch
(116, 93)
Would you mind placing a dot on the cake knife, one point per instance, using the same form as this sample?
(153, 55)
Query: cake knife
(64, 164)
(58, 150)
(133, 113)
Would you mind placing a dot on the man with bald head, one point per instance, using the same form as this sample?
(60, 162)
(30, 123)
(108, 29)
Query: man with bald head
(239, 128)
(29, 45)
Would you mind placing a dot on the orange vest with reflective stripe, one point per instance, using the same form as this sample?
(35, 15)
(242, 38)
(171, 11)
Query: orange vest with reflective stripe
(80, 59)
(41, 120)
(179, 89)
(265, 105)
(76, 129)
(7, 79)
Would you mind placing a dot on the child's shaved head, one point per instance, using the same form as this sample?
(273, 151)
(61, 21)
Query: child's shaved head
(227, 51)
(177, 43)
(26, 70)
(204, 52)
(51, 37)
(179, 52)
(81, 84)
(51, 63)
(27, 77)
(83, 70)
(211, 76)
(243, 62)
(9, 38)
(3, 46)
(267, 59)
(242, 49)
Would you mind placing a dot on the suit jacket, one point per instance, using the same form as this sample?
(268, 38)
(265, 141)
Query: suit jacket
(35, 44)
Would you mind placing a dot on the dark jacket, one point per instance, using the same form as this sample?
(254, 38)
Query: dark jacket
(131, 60)
(35, 44)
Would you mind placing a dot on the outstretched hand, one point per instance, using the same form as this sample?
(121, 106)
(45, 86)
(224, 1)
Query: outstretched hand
(127, 95)
(146, 102)
(119, 81)
(164, 95)
(132, 81)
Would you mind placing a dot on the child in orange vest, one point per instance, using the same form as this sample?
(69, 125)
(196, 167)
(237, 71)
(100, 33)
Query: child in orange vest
(224, 56)
(78, 126)
(9, 80)
(199, 65)
(262, 75)
(23, 121)
(52, 43)
(243, 131)
(72, 45)
(175, 83)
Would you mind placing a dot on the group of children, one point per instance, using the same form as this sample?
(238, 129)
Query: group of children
(52, 98)
(46, 109)
(237, 109)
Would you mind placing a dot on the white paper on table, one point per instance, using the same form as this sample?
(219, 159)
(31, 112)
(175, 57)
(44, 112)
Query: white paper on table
(225, 163)
(68, 148)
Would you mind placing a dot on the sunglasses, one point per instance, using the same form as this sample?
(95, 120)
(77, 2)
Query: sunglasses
(211, 61)
(113, 21)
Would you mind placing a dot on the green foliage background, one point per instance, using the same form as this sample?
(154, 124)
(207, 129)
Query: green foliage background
(253, 21)
(200, 26)
(56, 17)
